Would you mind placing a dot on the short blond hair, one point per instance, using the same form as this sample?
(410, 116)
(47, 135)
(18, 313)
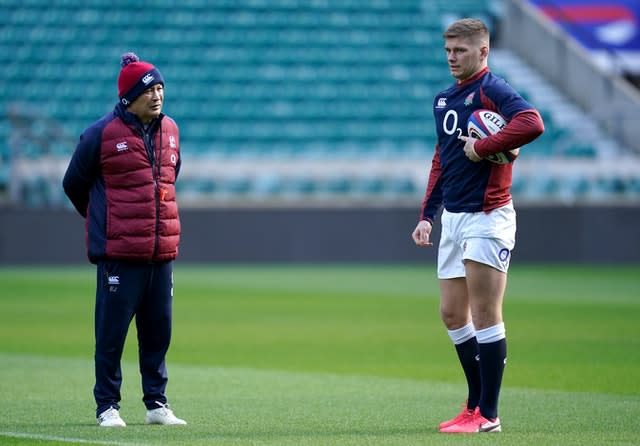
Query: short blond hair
(471, 29)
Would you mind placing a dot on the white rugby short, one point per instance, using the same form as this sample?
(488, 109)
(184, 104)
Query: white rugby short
(483, 237)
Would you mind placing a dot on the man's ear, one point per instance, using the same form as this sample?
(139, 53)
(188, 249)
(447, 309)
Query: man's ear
(484, 52)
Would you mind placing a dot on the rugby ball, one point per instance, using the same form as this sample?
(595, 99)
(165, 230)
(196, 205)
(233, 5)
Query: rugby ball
(483, 123)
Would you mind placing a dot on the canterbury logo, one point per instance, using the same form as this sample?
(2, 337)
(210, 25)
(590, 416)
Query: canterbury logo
(122, 146)
(148, 78)
(442, 103)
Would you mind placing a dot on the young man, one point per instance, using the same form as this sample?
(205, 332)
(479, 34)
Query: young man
(121, 178)
(478, 220)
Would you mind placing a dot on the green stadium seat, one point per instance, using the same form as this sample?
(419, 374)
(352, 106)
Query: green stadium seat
(347, 79)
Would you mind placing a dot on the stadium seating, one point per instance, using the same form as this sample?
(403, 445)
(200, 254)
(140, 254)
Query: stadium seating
(301, 81)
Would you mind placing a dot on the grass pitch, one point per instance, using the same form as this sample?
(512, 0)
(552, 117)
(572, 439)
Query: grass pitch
(326, 355)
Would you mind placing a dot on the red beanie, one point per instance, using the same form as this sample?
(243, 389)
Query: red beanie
(135, 77)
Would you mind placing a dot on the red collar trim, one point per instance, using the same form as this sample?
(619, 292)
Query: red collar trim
(474, 78)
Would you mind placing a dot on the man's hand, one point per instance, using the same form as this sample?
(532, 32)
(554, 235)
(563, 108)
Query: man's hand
(469, 151)
(421, 234)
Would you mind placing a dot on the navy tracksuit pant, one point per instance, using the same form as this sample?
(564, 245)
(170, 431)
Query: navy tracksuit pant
(126, 290)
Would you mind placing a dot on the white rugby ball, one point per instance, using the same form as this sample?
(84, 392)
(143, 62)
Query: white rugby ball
(483, 123)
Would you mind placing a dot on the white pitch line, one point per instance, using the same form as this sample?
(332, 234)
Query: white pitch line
(66, 439)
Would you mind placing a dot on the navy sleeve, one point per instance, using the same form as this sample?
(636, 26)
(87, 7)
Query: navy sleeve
(83, 169)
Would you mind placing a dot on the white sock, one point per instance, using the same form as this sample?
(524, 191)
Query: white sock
(491, 334)
(462, 334)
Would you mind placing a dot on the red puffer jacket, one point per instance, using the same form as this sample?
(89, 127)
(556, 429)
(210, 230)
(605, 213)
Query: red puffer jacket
(121, 177)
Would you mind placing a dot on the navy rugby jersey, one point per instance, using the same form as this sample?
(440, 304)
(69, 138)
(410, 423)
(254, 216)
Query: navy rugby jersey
(457, 183)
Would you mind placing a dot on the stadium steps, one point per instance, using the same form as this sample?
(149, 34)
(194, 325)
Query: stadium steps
(583, 137)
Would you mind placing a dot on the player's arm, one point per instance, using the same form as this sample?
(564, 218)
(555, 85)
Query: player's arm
(431, 203)
(523, 128)
(82, 171)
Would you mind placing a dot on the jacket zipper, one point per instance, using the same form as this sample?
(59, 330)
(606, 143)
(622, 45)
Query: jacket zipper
(155, 173)
(158, 192)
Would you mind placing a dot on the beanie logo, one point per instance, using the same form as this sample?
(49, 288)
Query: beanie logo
(148, 78)
(122, 146)
(124, 101)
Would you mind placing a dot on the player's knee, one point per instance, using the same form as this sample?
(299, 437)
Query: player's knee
(487, 318)
(453, 319)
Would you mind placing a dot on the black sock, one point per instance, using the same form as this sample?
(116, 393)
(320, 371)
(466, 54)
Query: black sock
(493, 357)
(468, 355)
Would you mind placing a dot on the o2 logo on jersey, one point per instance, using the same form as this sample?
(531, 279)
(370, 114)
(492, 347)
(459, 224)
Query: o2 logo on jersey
(450, 123)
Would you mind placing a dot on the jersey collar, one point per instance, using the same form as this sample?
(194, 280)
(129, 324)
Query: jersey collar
(474, 78)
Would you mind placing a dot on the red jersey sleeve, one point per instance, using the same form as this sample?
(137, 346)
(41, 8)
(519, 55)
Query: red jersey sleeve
(523, 128)
(433, 196)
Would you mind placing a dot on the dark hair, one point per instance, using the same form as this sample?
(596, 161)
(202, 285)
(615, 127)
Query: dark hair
(472, 29)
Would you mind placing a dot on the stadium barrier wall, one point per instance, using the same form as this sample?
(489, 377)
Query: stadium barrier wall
(593, 235)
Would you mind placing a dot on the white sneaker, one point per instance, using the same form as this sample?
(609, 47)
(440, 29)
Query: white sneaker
(111, 418)
(162, 415)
